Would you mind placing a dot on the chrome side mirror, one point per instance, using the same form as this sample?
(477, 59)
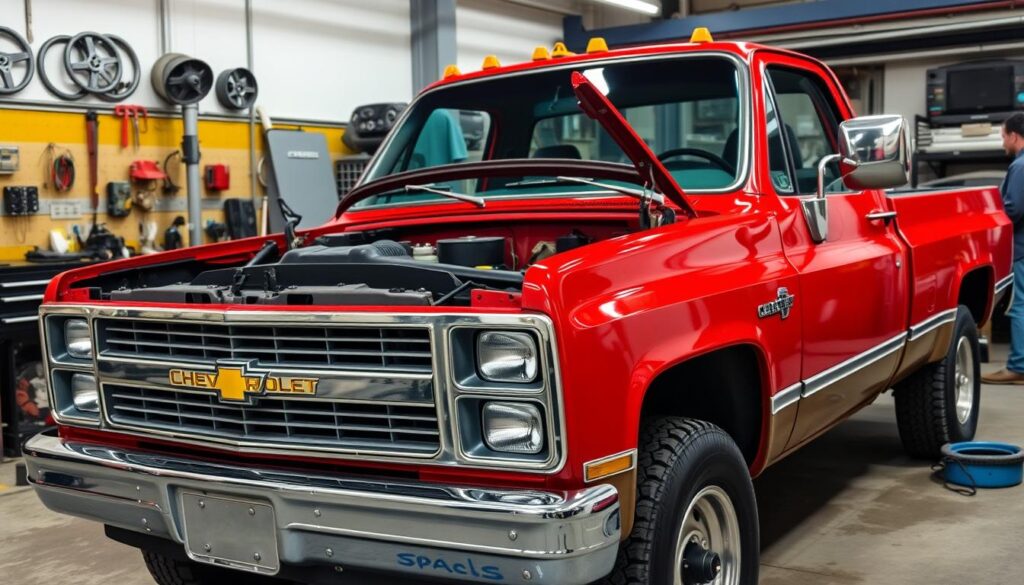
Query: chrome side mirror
(875, 152)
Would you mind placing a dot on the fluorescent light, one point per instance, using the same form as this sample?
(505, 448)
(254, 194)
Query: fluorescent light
(635, 5)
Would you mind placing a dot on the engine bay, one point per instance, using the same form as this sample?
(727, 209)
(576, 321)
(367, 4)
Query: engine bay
(388, 267)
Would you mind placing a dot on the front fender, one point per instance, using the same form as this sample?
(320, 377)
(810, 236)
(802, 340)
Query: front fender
(629, 308)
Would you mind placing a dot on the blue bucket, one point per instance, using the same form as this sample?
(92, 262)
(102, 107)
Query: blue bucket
(983, 464)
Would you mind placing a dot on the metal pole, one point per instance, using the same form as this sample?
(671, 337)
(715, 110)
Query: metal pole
(253, 181)
(190, 156)
(165, 26)
(432, 24)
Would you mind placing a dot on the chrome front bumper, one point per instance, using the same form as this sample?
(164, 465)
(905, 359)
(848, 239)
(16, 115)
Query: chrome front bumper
(417, 529)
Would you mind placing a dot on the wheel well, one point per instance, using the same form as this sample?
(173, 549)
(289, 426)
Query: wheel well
(974, 293)
(722, 387)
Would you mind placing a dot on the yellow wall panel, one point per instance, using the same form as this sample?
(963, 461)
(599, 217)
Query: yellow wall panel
(221, 141)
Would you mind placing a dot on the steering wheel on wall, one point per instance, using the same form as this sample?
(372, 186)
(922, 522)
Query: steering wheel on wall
(708, 156)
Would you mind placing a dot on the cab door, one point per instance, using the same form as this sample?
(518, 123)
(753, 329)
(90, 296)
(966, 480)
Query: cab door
(852, 293)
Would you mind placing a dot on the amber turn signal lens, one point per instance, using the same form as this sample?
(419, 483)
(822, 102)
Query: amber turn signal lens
(608, 466)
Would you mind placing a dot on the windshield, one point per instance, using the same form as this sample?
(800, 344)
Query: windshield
(687, 109)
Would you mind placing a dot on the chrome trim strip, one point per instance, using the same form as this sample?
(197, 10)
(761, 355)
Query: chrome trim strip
(786, 397)
(439, 324)
(822, 380)
(931, 323)
(744, 95)
(1003, 283)
(333, 373)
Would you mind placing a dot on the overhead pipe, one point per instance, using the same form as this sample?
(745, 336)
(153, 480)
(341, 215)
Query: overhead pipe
(745, 24)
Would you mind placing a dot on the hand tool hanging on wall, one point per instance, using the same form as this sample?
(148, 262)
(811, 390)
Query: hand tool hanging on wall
(92, 137)
(132, 112)
(185, 81)
(9, 62)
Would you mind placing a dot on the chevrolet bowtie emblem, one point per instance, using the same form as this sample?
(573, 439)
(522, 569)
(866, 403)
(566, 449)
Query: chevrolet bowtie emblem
(236, 382)
(780, 306)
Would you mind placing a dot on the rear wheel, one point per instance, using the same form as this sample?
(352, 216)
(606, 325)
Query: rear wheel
(939, 403)
(173, 571)
(696, 518)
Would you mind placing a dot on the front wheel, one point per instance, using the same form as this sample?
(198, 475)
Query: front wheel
(696, 517)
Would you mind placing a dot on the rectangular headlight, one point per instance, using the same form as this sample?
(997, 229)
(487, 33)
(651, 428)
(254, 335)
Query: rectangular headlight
(77, 339)
(85, 393)
(513, 427)
(506, 356)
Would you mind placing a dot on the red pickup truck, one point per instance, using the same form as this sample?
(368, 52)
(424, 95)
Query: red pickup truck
(556, 356)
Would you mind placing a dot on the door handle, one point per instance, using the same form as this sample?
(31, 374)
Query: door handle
(886, 216)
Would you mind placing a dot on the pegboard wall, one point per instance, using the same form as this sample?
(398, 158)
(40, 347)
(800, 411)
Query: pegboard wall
(221, 142)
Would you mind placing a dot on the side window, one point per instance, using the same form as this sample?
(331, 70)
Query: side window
(778, 165)
(808, 128)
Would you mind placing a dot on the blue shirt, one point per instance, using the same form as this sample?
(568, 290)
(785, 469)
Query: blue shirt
(1012, 191)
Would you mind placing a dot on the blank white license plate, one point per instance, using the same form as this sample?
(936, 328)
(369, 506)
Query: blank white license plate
(231, 532)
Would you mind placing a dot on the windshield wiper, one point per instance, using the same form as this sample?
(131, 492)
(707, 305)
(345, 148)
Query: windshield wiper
(641, 194)
(653, 211)
(526, 183)
(478, 201)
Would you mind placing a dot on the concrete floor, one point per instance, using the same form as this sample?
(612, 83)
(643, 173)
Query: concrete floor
(850, 508)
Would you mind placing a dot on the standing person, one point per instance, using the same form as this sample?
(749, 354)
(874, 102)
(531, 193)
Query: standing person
(1012, 191)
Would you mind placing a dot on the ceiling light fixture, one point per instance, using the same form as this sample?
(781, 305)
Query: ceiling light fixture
(635, 5)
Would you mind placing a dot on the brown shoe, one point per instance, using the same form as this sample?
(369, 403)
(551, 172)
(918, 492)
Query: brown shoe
(1003, 376)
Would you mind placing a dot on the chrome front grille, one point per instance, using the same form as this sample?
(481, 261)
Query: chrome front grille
(407, 429)
(361, 348)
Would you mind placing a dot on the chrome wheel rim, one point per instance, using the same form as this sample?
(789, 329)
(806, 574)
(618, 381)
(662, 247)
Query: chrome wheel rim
(710, 522)
(963, 381)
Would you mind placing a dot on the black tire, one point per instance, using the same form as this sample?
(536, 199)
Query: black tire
(926, 402)
(173, 571)
(678, 459)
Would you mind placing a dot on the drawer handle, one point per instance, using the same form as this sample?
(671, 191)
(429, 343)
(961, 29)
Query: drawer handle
(13, 320)
(21, 298)
(25, 283)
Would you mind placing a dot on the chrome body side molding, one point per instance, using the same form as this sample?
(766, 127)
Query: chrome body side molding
(791, 395)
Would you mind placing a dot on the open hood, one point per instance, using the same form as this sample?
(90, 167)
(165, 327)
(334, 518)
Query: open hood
(597, 106)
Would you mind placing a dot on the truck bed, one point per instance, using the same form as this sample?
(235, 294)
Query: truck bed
(949, 233)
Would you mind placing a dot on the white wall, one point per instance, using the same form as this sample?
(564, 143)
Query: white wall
(509, 31)
(313, 59)
(903, 91)
(319, 59)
